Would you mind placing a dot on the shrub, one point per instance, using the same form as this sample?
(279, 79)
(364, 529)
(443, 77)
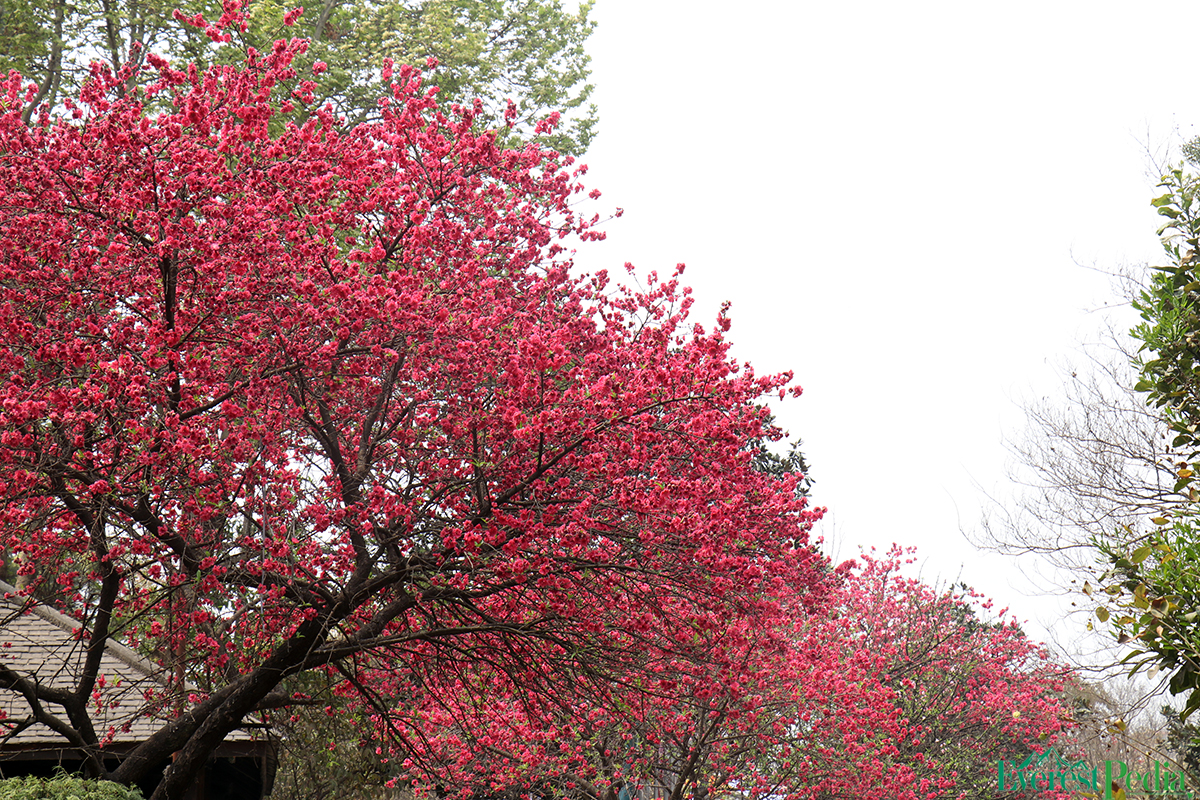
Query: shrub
(65, 787)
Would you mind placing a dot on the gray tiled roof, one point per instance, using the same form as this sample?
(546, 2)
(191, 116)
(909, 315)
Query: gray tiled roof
(42, 643)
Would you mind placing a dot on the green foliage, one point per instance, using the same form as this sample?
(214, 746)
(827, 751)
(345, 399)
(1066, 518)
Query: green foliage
(326, 751)
(1150, 592)
(1150, 596)
(65, 787)
(25, 32)
(780, 465)
(1183, 740)
(1169, 357)
(527, 51)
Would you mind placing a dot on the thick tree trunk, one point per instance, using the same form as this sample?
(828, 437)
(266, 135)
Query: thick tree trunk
(189, 761)
(193, 738)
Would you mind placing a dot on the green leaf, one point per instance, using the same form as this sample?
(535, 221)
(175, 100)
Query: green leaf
(1192, 704)
(1180, 680)
(1134, 654)
(1140, 554)
(1102, 614)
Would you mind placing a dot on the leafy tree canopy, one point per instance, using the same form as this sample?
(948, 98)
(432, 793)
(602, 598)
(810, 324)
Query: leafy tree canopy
(528, 51)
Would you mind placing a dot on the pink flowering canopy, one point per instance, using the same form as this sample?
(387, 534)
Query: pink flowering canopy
(281, 400)
(879, 686)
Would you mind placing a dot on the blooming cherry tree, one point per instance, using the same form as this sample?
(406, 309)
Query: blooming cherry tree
(306, 402)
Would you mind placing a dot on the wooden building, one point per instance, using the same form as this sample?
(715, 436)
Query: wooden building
(38, 642)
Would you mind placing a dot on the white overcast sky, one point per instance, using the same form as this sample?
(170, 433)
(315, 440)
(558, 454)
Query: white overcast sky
(896, 198)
